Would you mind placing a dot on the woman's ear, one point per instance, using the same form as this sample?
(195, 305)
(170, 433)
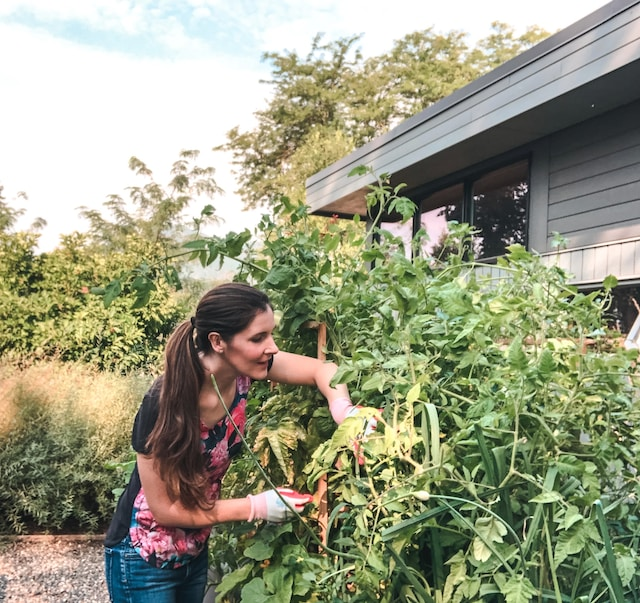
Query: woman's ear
(216, 341)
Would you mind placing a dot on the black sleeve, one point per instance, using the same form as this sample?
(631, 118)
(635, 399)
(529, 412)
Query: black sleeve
(145, 419)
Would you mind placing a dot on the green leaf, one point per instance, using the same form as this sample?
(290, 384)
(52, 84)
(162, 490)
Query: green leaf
(573, 541)
(627, 568)
(111, 291)
(234, 242)
(572, 515)
(547, 497)
(516, 357)
(413, 394)
(256, 590)
(259, 550)
(546, 364)
(279, 581)
(279, 277)
(233, 579)
(516, 589)
(377, 381)
(359, 170)
(517, 253)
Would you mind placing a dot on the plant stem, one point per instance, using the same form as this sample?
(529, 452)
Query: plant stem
(313, 535)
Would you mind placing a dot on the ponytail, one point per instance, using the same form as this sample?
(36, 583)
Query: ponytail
(174, 441)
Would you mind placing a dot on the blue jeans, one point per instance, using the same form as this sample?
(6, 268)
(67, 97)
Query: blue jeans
(130, 579)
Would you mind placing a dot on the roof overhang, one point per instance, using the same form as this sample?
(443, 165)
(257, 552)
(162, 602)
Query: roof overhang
(587, 69)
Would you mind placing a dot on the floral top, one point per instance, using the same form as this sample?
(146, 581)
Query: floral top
(166, 547)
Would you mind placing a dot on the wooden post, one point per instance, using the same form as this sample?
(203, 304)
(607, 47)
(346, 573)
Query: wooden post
(321, 494)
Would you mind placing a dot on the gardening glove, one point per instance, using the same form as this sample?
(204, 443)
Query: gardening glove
(271, 507)
(342, 408)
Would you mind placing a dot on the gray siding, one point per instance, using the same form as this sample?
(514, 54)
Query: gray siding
(592, 264)
(572, 103)
(524, 100)
(594, 179)
(589, 265)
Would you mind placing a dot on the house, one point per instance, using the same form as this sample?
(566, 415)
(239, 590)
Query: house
(546, 145)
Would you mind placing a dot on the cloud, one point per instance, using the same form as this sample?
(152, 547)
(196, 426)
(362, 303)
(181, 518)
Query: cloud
(74, 115)
(90, 84)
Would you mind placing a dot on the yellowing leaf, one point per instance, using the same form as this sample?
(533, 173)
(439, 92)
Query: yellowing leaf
(413, 394)
(480, 550)
(516, 589)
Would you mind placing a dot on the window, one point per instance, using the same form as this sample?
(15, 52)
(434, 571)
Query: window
(403, 230)
(495, 203)
(499, 209)
(436, 211)
(625, 308)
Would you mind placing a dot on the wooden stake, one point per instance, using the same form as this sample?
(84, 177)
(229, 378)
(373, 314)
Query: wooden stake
(322, 490)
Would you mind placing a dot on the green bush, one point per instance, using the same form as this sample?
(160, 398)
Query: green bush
(49, 310)
(505, 464)
(61, 427)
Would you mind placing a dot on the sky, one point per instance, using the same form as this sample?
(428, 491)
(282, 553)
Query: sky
(87, 84)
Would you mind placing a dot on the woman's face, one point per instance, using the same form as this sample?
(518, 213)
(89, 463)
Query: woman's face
(250, 350)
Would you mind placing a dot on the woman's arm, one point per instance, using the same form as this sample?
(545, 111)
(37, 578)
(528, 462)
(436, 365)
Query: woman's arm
(173, 514)
(271, 505)
(294, 369)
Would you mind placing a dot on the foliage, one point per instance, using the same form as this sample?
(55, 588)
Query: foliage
(327, 103)
(47, 309)
(8, 215)
(66, 304)
(502, 45)
(504, 466)
(154, 214)
(61, 426)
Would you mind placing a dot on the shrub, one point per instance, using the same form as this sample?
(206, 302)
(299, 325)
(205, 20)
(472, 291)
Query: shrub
(505, 464)
(504, 467)
(62, 424)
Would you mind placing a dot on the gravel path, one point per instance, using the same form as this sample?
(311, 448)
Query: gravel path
(52, 569)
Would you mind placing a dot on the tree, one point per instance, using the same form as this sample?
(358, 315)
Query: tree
(333, 100)
(421, 69)
(154, 214)
(309, 95)
(504, 465)
(47, 305)
(503, 44)
(8, 215)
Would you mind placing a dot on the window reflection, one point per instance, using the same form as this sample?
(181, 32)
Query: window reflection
(403, 230)
(499, 206)
(436, 211)
(495, 205)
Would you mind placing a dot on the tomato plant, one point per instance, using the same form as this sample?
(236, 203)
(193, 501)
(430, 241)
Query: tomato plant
(504, 465)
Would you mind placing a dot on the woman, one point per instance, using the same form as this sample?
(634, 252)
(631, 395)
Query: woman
(156, 545)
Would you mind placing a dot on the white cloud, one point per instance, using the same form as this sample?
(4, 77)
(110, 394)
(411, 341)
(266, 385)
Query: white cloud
(73, 114)
(100, 14)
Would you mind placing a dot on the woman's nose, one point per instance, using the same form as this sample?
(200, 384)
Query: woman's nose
(272, 348)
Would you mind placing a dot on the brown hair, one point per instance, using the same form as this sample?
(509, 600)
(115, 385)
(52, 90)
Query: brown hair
(175, 439)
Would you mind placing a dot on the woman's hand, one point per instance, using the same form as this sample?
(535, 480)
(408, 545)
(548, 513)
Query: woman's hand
(278, 505)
